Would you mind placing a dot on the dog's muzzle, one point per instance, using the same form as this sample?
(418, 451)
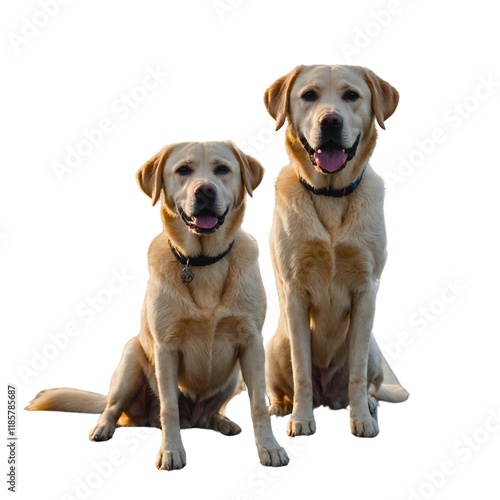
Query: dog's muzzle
(330, 157)
(204, 221)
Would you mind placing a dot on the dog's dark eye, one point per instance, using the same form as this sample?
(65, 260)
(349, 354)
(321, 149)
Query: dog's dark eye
(184, 170)
(221, 170)
(350, 96)
(309, 96)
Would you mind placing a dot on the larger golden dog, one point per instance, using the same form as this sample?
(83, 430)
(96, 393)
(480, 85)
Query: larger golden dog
(202, 315)
(328, 246)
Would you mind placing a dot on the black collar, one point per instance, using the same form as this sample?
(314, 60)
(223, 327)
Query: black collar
(201, 260)
(336, 193)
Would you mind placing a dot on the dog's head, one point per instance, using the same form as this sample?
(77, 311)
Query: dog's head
(331, 110)
(200, 182)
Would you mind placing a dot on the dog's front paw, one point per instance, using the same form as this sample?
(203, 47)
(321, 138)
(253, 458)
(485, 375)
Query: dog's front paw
(367, 427)
(300, 427)
(171, 459)
(275, 456)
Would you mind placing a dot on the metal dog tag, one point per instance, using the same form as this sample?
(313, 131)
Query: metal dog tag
(186, 274)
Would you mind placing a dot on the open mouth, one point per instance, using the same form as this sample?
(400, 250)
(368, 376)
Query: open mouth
(204, 222)
(330, 157)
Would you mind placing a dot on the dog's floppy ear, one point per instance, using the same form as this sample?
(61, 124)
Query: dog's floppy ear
(385, 97)
(149, 176)
(277, 96)
(251, 170)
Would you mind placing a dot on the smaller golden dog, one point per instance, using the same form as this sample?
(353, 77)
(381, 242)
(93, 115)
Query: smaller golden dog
(202, 315)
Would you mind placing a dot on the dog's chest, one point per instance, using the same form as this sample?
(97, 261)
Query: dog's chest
(209, 347)
(330, 253)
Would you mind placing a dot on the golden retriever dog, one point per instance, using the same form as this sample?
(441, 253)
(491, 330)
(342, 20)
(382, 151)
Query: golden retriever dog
(328, 245)
(203, 312)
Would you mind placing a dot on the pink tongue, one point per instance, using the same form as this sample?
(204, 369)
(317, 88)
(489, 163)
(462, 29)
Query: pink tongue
(330, 160)
(206, 221)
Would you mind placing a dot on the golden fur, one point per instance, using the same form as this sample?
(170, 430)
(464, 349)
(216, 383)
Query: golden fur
(328, 252)
(184, 366)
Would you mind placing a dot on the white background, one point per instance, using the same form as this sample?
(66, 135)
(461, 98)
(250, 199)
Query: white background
(61, 240)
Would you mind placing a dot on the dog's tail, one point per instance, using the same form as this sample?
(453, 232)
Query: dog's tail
(391, 390)
(392, 393)
(73, 400)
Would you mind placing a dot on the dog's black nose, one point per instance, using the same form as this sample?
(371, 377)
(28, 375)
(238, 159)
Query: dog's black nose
(207, 191)
(205, 195)
(331, 121)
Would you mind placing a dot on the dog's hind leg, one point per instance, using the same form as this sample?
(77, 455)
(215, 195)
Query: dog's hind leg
(224, 425)
(277, 372)
(390, 389)
(210, 413)
(126, 382)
